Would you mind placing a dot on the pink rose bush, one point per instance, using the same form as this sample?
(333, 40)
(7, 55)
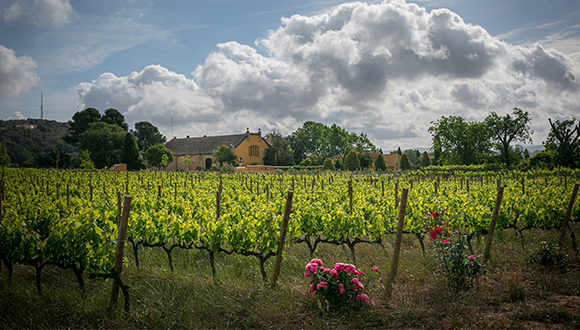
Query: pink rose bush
(339, 287)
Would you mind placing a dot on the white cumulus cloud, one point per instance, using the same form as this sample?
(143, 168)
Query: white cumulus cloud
(386, 69)
(42, 13)
(17, 74)
(16, 115)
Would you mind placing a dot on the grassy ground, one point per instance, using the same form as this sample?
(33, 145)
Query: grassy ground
(512, 294)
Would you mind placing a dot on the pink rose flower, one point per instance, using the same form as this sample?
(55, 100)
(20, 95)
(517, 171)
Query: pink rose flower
(445, 241)
(375, 268)
(312, 288)
(438, 229)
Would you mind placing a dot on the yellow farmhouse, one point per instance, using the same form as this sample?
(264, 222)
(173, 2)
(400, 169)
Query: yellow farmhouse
(249, 148)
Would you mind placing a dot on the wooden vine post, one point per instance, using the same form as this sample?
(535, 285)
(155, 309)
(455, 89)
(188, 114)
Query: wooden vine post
(568, 214)
(283, 230)
(492, 223)
(397, 250)
(119, 255)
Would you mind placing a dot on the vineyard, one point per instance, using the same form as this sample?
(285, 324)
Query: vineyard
(70, 219)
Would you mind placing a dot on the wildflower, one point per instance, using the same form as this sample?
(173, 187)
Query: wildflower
(306, 274)
(312, 288)
(375, 268)
(438, 229)
(321, 285)
(445, 241)
(471, 257)
(316, 261)
(334, 272)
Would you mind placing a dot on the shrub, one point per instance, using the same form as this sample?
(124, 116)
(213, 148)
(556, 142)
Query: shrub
(458, 268)
(338, 288)
(550, 257)
(328, 165)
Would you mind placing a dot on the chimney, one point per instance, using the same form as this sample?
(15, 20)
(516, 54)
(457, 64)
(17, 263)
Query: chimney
(259, 135)
(205, 136)
(188, 136)
(248, 133)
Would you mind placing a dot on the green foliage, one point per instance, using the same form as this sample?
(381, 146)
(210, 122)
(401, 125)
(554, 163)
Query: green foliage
(351, 162)
(563, 141)
(328, 165)
(224, 154)
(460, 142)
(508, 129)
(114, 117)
(458, 268)
(549, 256)
(80, 124)
(4, 158)
(405, 163)
(105, 142)
(380, 164)
(23, 144)
(399, 151)
(425, 159)
(365, 160)
(131, 155)
(186, 161)
(158, 156)
(85, 160)
(55, 158)
(305, 162)
(279, 153)
(147, 135)
(319, 139)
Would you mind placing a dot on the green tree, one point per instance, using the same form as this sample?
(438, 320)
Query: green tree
(351, 162)
(80, 123)
(460, 142)
(114, 117)
(425, 159)
(316, 160)
(405, 163)
(105, 142)
(365, 159)
(186, 161)
(279, 152)
(328, 165)
(85, 160)
(224, 154)
(131, 153)
(158, 156)
(507, 129)
(563, 141)
(147, 135)
(413, 155)
(380, 164)
(4, 158)
(399, 151)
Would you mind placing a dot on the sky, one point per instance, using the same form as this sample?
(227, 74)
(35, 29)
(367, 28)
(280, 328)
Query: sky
(385, 68)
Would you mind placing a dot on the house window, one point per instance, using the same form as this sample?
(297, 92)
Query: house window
(254, 151)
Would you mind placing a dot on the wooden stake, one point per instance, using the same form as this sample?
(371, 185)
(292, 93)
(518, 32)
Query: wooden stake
(492, 223)
(120, 251)
(283, 230)
(568, 214)
(119, 207)
(397, 249)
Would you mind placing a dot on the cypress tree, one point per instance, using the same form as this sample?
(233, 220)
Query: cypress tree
(380, 164)
(425, 160)
(131, 153)
(406, 163)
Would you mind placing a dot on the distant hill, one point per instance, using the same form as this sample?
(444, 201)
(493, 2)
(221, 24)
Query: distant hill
(25, 137)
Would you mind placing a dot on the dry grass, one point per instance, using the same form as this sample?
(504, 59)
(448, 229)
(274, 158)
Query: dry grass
(512, 294)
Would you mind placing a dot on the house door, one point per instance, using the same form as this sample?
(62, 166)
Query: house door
(208, 163)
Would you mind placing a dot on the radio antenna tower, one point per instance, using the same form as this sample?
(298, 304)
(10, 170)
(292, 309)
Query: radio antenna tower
(41, 107)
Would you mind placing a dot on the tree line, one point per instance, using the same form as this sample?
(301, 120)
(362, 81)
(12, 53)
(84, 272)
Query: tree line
(105, 139)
